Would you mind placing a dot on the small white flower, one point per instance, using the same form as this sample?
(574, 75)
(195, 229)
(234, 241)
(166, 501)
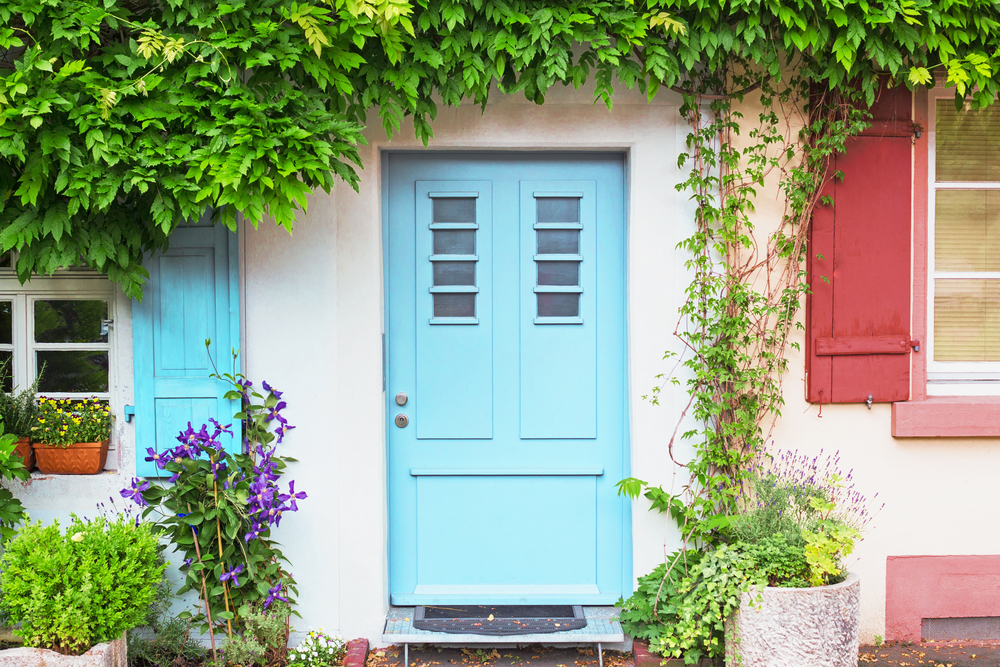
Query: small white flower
(77, 538)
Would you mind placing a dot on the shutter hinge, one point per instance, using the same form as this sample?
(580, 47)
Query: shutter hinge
(129, 412)
(869, 401)
(915, 344)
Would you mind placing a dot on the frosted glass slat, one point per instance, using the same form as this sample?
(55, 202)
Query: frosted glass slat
(558, 209)
(454, 305)
(558, 241)
(558, 304)
(454, 241)
(558, 273)
(968, 143)
(454, 273)
(455, 209)
(966, 320)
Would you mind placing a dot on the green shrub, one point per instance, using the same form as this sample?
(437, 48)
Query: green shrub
(70, 592)
(780, 563)
(653, 605)
(264, 638)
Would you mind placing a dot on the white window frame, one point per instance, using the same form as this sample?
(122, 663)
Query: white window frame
(951, 378)
(69, 285)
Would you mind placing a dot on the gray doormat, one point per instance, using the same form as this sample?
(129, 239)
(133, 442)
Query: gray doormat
(499, 620)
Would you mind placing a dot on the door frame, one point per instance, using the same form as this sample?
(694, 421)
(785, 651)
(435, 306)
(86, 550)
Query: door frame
(627, 583)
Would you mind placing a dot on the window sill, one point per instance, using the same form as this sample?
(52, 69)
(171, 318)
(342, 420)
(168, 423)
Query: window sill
(947, 417)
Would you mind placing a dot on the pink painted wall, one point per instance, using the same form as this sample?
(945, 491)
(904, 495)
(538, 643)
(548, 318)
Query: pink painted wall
(919, 587)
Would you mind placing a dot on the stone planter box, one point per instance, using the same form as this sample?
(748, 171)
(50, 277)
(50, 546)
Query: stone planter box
(797, 627)
(112, 654)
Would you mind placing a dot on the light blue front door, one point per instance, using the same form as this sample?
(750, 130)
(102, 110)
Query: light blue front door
(506, 333)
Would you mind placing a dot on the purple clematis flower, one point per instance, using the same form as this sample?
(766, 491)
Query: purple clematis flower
(156, 457)
(134, 493)
(268, 388)
(274, 594)
(231, 575)
(272, 414)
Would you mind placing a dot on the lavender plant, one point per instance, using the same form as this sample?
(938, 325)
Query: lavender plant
(807, 501)
(218, 508)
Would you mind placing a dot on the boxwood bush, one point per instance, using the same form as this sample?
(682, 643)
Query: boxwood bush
(74, 590)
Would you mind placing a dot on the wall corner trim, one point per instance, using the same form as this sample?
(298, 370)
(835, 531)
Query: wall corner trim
(947, 417)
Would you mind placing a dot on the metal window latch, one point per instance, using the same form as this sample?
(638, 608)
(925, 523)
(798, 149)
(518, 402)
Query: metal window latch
(915, 344)
(869, 401)
(106, 326)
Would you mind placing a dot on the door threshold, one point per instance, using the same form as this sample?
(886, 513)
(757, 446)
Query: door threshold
(602, 627)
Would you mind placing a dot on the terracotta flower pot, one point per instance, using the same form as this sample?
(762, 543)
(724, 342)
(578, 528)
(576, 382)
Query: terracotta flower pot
(26, 452)
(80, 458)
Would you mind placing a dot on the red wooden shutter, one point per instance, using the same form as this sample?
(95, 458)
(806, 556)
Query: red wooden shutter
(858, 315)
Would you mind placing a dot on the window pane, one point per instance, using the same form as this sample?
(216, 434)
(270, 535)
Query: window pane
(6, 323)
(559, 304)
(6, 260)
(70, 321)
(558, 241)
(967, 230)
(966, 320)
(80, 371)
(454, 273)
(455, 242)
(558, 273)
(7, 371)
(968, 143)
(455, 209)
(558, 209)
(455, 305)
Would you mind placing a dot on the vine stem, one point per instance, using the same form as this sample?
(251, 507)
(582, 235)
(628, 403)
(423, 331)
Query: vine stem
(204, 590)
(218, 535)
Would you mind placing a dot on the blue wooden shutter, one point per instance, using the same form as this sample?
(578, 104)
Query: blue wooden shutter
(192, 295)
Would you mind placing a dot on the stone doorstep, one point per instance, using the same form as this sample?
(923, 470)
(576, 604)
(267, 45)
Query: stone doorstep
(601, 629)
(110, 654)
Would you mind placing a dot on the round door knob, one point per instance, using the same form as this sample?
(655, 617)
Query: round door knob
(402, 420)
(401, 398)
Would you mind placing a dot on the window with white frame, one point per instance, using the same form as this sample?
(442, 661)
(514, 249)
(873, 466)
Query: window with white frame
(59, 331)
(964, 248)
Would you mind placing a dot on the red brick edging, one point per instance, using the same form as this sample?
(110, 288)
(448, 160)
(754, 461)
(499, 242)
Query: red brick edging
(643, 658)
(357, 653)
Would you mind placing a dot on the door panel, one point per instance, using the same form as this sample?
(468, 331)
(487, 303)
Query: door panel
(558, 353)
(501, 485)
(453, 259)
